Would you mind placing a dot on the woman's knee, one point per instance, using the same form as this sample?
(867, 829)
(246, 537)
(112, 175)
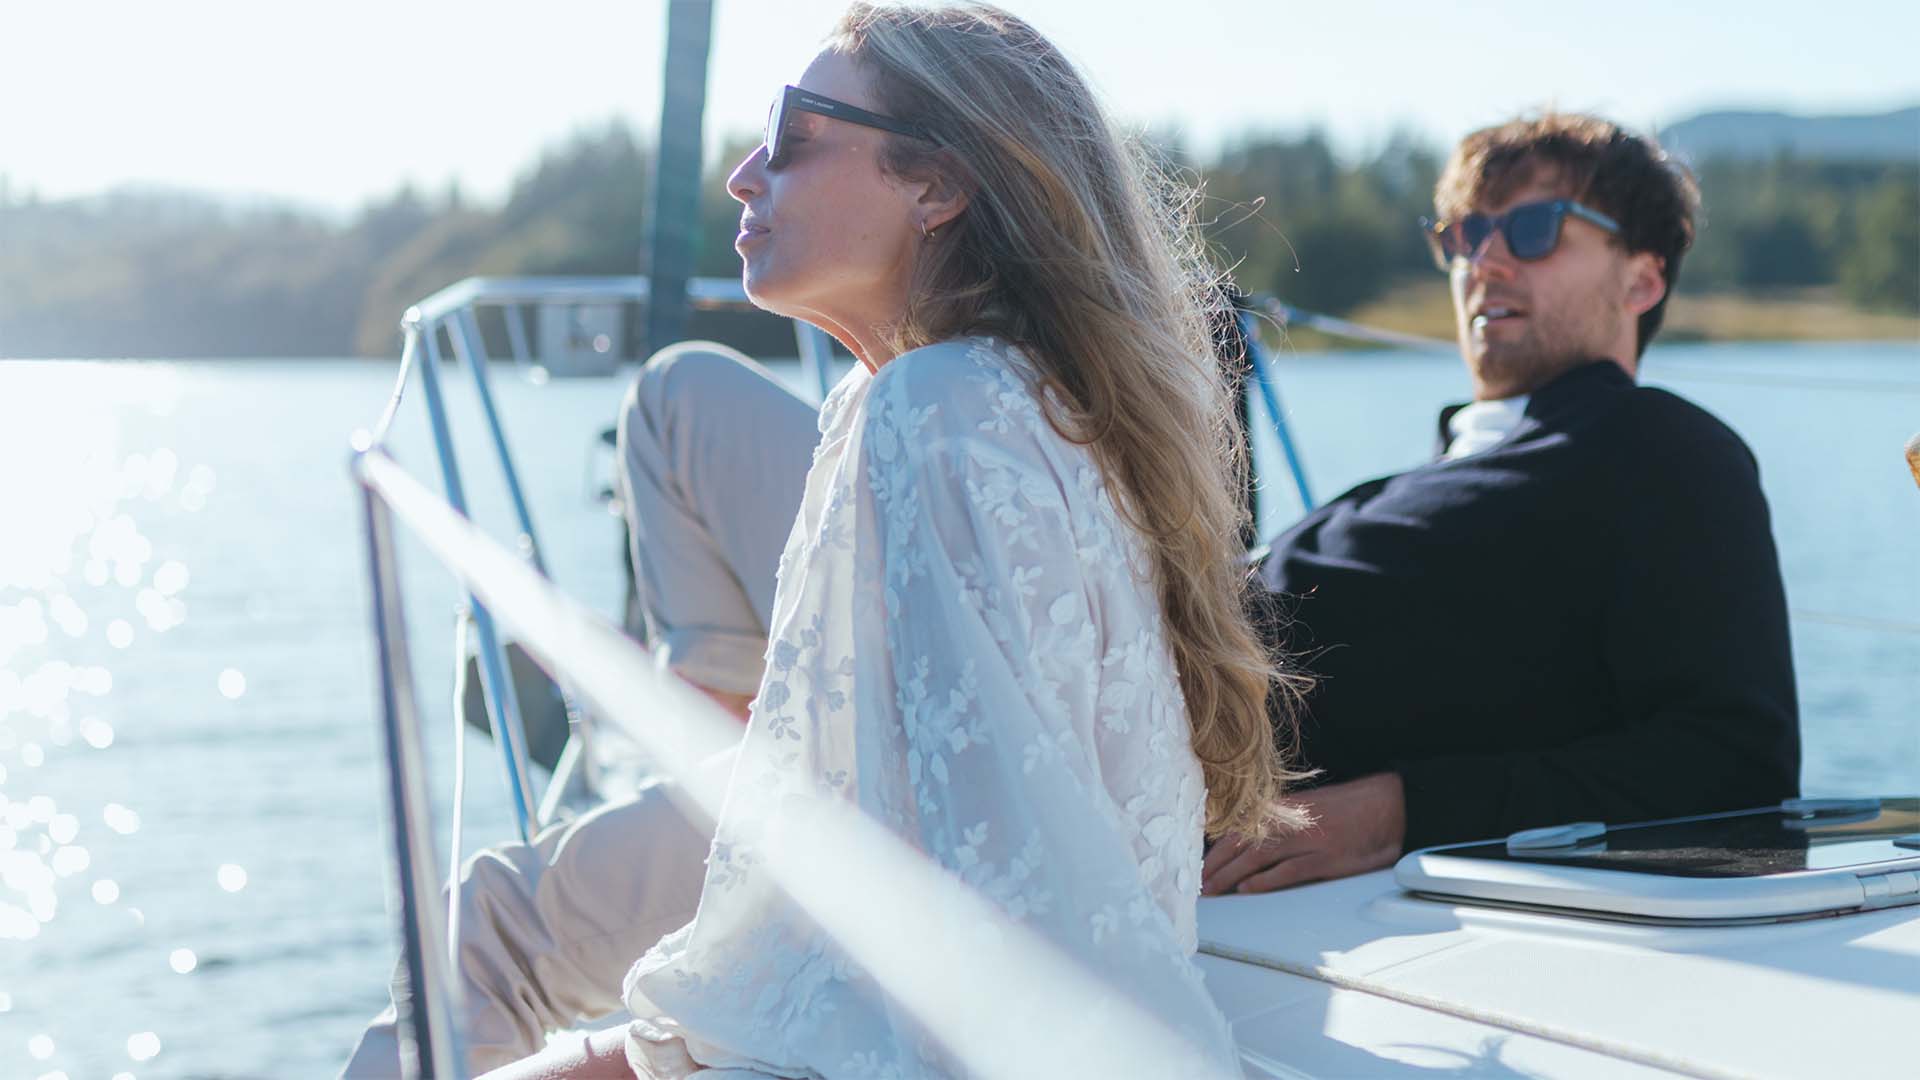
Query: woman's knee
(677, 379)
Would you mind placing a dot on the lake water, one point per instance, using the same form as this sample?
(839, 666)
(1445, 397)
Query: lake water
(191, 832)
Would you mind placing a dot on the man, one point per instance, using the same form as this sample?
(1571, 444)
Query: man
(1576, 612)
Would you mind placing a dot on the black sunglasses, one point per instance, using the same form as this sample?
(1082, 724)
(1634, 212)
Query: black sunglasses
(1532, 230)
(793, 99)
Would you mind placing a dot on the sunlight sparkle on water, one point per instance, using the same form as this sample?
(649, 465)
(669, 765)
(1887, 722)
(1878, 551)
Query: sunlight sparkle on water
(232, 878)
(170, 578)
(199, 486)
(106, 891)
(69, 861)
(120, 819)
(232, 684)
(98, 733)
(97, 681)
(40, 1046)
(76, 474)
(63, 828)
(119, 633)
(21, 625)
(161, 468)
(17, 924)
(143, 1046)
(182, 960)
(161, 611)
(66, 613)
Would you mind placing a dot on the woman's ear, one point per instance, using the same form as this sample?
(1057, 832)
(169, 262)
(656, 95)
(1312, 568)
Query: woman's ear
(1646, 281)
(941, 199)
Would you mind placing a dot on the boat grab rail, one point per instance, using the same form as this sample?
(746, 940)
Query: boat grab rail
(847, 872)
(452, 312)
(512, 294)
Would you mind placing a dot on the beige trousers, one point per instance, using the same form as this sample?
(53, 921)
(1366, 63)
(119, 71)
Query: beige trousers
(713, 461)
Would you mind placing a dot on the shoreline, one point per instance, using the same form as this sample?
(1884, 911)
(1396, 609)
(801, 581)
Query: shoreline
(1799, 315)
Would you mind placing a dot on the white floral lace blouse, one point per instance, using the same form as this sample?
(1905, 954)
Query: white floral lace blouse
(966, 646)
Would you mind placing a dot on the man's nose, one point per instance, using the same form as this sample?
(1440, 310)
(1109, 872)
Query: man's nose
(1493, 259)
(749, 178)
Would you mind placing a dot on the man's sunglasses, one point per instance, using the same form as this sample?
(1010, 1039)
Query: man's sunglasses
(793, 99)
(1532, 230)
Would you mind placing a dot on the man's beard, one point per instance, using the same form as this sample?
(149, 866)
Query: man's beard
(1550, 347)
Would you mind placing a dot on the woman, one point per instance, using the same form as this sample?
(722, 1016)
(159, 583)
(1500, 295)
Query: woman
(1007, 627)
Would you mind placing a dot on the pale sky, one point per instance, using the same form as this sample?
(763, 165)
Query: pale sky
(336, 102)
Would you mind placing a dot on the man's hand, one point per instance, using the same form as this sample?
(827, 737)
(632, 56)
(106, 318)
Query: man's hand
(1357, 826)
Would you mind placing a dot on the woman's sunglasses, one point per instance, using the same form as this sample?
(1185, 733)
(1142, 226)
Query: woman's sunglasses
(1532, 230)
(793, 99)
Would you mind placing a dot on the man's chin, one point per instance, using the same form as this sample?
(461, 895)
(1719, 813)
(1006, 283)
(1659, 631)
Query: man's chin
(1506, 372)
(1506, 368)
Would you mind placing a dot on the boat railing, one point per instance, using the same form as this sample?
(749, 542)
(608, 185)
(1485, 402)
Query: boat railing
(848, 874)
(454, 313)
(513, 296)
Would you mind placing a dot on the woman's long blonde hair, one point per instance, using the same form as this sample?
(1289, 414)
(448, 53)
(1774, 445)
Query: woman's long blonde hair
(1081, 249)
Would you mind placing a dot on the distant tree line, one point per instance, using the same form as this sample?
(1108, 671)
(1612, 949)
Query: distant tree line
(157, 275)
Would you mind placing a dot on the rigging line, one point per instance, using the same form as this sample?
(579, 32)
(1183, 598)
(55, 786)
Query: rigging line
(1859, 622)
(1807, 382)
(1288, 316)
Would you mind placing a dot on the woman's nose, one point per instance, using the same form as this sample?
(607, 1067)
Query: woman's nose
(749, 178)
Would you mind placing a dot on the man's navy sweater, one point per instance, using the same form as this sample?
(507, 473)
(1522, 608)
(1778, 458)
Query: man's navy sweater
(1584, 622)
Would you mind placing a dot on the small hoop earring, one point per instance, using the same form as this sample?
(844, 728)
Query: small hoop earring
(928, 234)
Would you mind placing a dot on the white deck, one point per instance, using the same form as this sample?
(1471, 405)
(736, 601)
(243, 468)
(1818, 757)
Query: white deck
(1356, 978)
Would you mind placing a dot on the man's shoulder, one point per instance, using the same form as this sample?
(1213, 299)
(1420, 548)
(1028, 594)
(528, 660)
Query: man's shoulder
(1661, 415)
(1657, 437)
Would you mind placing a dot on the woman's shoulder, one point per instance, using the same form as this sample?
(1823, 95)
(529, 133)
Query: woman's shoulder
(978, 384)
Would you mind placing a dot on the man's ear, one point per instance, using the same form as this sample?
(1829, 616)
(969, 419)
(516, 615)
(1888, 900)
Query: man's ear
(1646, 282)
